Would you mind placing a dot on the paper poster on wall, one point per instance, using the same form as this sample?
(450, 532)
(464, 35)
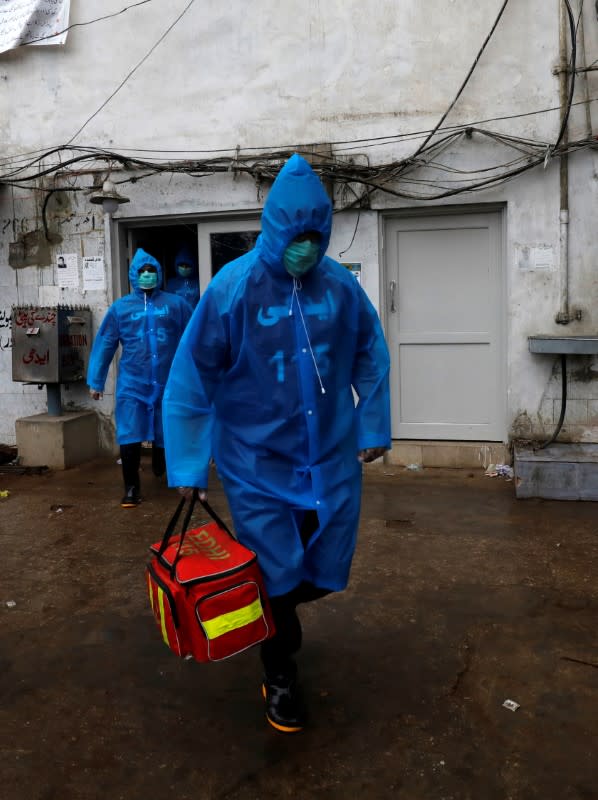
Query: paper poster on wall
(67, 271)
(354, 267)
(33, 22)
(532, 257)
(93, 273)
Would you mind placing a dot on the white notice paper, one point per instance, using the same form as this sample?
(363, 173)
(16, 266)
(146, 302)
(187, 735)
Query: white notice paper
(93, 273)
(535, 257)
(542, 257)
(33, 22)
(67, 271)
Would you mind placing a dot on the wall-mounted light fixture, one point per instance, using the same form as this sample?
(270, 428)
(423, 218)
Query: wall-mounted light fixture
(108, 198)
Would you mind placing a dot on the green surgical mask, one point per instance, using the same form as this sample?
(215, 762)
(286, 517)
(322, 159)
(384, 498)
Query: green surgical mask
(300, 257)
(184, 271)
(148, 280)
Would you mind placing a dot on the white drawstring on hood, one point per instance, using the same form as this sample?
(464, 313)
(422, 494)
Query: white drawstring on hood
(297, 285)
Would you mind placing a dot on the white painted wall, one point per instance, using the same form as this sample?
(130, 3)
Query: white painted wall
(298, 72)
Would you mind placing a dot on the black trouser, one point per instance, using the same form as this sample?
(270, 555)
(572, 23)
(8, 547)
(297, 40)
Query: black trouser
(130, 456)
(277, 652)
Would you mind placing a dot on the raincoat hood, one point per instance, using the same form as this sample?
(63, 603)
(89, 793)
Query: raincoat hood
(297, 203)
(186, 256)
(139, 260)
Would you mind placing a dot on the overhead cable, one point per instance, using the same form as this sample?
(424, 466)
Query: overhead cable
(465, 81)
(132, 72)
(82, 24)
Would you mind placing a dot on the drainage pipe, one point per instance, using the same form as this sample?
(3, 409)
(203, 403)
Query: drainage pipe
(559, 424)
(562, 316)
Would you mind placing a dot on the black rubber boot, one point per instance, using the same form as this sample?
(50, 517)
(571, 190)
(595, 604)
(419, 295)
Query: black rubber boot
(285, 709)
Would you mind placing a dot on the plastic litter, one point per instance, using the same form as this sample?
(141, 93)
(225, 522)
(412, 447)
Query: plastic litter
(414, 467)
(10, 604)
(511, 705)
(4, 493)
(500, 471)
(119, 461)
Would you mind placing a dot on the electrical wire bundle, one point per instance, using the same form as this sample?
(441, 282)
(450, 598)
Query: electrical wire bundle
(421, 175)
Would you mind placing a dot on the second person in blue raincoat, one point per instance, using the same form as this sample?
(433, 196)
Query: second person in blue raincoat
(148, 324)
(263, 381)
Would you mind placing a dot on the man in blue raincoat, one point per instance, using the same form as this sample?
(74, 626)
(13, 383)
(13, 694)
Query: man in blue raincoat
(148, 324)
(263, 382)
(186, 281)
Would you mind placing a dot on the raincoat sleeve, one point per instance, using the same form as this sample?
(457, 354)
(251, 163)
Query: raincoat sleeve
(103, 350)
(194, 378)
(371, 379)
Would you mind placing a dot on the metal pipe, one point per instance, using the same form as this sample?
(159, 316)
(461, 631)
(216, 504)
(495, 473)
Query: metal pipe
(562, 316)
(585, 69)
(54, 400)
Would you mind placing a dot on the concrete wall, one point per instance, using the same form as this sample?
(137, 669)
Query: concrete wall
(290, 73)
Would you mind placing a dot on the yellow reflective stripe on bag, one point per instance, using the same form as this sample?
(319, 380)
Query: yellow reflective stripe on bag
(162, 617)
(232, 620)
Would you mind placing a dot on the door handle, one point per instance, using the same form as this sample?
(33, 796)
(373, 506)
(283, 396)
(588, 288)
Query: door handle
(392, 288)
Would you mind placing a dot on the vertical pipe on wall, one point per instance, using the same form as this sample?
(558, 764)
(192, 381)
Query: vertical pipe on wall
(584, 63)
(562, 316)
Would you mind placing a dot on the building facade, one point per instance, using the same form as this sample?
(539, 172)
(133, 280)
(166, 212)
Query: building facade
(455, 138)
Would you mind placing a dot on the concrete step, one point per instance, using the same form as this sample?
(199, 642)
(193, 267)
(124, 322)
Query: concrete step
(447, 455)
(558, 472)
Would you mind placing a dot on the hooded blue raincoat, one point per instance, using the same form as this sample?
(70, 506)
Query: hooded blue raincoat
(262, 380)
(187, 288)
(149, 327)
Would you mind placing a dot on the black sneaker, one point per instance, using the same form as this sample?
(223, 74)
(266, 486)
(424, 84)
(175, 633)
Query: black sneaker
(285, 710)
(131, 498)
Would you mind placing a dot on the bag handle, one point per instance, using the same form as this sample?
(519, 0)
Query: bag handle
(175, 518)
(172, 525)
(216, 518)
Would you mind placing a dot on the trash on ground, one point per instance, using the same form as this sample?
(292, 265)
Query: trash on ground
(4, 493)
(414, 467)
(10, 604)
(59, 507)
(511, 705)
(500, 471)
(119, 461)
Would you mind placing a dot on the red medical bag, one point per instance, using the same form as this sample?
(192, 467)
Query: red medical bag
(206, 590)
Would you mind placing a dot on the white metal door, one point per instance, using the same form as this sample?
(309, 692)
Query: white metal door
(444, 324)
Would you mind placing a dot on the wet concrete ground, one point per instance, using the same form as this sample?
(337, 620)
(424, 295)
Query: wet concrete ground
(461, 597)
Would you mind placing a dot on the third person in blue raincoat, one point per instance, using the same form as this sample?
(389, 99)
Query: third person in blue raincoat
(263, 382)
(186, 281)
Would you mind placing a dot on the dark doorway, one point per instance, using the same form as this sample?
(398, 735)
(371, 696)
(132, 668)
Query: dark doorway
(163, 242)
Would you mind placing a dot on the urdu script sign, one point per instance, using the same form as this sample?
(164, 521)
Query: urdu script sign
(33, 22)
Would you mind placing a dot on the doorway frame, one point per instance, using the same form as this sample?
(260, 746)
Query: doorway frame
(119, 238)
